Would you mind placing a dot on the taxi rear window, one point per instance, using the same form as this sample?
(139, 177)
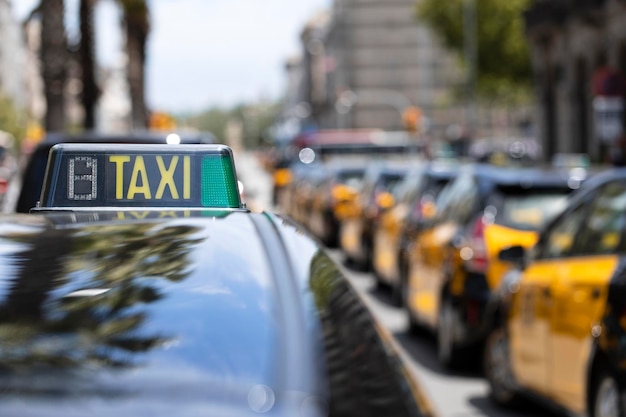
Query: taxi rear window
(530, 209)
(352, 178)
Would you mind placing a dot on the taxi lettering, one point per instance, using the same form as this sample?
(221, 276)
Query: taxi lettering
(142, 215)
(143, 184)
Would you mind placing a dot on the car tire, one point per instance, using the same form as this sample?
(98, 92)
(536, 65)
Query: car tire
(368, 253)
(415, 328)
(606, 396)
(403, 266)
(448, 354)
(497, 369)
(397, 294)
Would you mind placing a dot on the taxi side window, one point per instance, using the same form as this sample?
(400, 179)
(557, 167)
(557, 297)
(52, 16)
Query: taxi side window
(411, 188)
(602, 230)
(460, 200)
(423, 205)
(559, 240)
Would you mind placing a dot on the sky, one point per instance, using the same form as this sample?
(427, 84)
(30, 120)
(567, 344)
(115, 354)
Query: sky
(204, 53)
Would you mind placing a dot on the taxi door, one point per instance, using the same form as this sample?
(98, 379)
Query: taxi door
(434, 256)
(580, 292)
(428, 261)
(533, 305)
(578, 298)
(528, 328)
(386, 241)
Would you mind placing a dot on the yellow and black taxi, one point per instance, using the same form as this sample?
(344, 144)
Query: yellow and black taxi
(560, 329)
(297, 197)
(398, 226)
(453, 264)
(140, 285)
(380, 185)
(333, 197)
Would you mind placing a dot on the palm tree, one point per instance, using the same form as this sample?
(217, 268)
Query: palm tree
(126, 259)
(54, 56)
(137, 27)
(90, 92)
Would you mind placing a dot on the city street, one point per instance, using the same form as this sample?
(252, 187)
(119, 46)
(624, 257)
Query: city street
(451, 394)
(183, 177)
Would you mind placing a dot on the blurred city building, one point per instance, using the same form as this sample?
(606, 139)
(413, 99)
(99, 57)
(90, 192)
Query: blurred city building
(294, 110)
(34, 88)
(13, 59)
(363, 64)
(578, 52)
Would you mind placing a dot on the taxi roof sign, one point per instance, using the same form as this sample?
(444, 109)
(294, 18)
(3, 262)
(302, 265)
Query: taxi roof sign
(88, 176)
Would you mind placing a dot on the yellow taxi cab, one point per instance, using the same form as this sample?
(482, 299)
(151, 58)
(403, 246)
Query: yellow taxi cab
(452, 265)
(397, 226)
(342, 183)
(380, 183)
(560, 328)
(299, 196)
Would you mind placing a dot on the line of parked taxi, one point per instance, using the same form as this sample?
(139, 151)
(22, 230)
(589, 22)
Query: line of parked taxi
(523, 268)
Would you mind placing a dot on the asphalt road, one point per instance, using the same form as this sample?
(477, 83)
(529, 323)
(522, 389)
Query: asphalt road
(451, 394)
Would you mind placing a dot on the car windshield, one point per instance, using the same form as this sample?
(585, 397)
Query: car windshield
(530, 209)
(352, 178)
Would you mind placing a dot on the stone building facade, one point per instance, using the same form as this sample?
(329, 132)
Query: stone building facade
(574, 45)
(12, 57)
(365, 61)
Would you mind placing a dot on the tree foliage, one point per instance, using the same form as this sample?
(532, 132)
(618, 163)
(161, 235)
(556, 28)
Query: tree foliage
(12, 119)
(504, 71)
(213, 120)
(255, 120)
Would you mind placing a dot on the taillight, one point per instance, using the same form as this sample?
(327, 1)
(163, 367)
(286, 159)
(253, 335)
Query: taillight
(4, 185)
(477, 253)
(282, 177)
(424, 209)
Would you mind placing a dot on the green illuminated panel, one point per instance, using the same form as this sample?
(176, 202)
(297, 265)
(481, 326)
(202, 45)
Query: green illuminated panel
(219, 170)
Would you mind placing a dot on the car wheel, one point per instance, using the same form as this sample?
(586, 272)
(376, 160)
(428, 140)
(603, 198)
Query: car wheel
(498, 371)
(606, 397)
(403, 266)
(368, 253)
(404, 293)
(415, 328)
(447, 352)
(330, 231)
(397, 294)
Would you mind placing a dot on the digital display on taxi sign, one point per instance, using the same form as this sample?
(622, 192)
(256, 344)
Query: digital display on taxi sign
(190, 176)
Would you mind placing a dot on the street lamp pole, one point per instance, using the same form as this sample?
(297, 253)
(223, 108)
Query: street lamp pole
(470, 49)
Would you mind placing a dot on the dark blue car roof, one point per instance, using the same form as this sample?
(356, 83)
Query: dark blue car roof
(185, 313)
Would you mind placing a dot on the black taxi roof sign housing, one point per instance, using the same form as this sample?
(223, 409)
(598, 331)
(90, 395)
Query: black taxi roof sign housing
(90, 176)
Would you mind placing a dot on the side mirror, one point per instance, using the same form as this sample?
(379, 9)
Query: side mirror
(514, 254)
